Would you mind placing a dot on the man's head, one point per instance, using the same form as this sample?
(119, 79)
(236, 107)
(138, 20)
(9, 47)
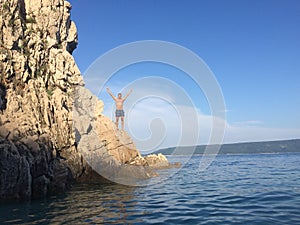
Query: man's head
(119, 95)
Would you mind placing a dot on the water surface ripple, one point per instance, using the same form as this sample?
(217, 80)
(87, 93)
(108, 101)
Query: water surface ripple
(235, 189)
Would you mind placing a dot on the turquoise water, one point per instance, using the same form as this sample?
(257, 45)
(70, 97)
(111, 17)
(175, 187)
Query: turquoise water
(235, 189)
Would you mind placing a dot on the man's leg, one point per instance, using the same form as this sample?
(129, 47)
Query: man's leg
(122, 120)
(117, 123)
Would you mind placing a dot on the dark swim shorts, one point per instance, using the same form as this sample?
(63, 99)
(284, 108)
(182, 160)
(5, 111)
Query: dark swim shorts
(120, 113)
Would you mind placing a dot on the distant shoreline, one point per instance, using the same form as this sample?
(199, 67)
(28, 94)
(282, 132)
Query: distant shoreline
(263, 147)
(237, 154)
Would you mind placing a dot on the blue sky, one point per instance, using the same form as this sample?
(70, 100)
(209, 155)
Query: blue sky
(252, 47)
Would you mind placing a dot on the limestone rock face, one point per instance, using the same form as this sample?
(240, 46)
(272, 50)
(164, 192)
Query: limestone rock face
(38, 75)
(118, 143)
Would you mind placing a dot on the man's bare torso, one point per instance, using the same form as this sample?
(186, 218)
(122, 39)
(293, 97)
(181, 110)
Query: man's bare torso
(119, 103)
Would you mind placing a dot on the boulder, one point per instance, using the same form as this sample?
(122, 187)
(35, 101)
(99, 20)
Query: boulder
(157, 161)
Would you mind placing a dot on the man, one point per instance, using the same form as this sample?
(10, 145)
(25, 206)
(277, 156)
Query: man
(119, 106)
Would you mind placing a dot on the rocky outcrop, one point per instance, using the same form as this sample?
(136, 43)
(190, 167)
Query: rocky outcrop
(157, 161)
(108, 151)
(38, 75)
(52, 130)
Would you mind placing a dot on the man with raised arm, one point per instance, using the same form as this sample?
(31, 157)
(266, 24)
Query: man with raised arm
(119, 106)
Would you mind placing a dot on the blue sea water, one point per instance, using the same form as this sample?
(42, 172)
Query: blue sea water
(235, 189)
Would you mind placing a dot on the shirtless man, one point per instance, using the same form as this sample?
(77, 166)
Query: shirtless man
(119, 106)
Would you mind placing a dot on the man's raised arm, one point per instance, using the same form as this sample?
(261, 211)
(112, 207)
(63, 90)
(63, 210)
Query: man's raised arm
(128, 94)
(110, 93)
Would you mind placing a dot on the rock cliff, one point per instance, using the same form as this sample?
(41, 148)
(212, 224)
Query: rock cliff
(52, 131)
(38, 74)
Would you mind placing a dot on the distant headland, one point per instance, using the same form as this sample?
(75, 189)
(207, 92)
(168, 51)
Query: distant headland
(282, 146)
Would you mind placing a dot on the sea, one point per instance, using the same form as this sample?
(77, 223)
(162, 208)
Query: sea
(234, 189)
